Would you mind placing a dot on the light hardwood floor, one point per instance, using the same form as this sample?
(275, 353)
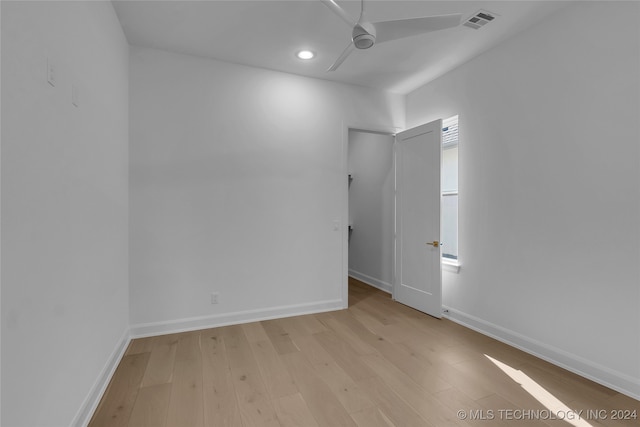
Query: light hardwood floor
(379, 363)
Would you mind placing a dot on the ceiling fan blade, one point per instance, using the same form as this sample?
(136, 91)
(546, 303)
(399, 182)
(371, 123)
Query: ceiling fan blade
(393, 30)
(335, 8)
(342, 57)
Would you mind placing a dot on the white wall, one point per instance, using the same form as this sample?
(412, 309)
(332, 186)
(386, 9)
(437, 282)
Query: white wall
(64, 207)
(237, 176)
(371, 208)
(549, 189)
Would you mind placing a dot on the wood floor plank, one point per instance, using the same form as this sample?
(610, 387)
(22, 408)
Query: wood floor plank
(390, 404)
(141, 345)
(499, 407)
(215, 363)
(311, 348)
(568, 381)
(403, 365)
(368, 321)
(277, 379)
(322, 402)
(343, 387)
(426, 351)
(303, 325)
(405, 332)
(404, 361)
(620, 401)
(279, 337)
(220, 401)
(371, 417)
(344, 355)
(422, 402)
(380, 312)
(593, 406)
(493, 378)
(161, 362)
(563, 390)
(455, 400)
(123, 390)
(422, 373)
(310, 324)
(293, 411)
(256, 408)
(337, 322)
(254, 332)
(186, 403)
(150, 409)
(470, 386)
(448, 333)
(294, 328)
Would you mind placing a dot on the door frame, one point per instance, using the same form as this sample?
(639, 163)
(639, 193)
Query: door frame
(344, 217)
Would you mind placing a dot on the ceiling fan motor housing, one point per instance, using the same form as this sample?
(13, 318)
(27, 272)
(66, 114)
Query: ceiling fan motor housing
(363, 38)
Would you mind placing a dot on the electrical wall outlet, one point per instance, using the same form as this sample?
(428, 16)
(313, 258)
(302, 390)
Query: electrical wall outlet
(214, 297)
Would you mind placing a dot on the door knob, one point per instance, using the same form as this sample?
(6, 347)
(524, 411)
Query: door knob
(435, 243)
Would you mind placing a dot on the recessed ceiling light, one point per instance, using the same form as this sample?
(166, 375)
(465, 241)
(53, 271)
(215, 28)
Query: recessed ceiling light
(305, 54)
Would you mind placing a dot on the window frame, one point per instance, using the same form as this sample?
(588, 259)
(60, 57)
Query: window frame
(452, 264)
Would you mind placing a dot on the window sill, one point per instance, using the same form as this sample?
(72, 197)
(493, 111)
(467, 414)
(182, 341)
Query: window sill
(451, 265)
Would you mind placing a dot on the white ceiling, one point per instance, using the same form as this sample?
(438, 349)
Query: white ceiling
(268, 33)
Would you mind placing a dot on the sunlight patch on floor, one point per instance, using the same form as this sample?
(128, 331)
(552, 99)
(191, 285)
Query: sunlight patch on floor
(552, 403)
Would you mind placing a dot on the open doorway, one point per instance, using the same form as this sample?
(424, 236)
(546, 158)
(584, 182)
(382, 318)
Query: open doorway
(371, 207)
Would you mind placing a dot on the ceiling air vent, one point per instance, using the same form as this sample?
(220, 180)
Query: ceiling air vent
(479, 19)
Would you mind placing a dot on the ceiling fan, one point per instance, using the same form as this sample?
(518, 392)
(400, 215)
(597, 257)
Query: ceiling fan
(365, 34)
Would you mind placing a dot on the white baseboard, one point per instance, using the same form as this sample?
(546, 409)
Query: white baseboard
(603, 375)
(372, 281)
(92, 400)
(194, 323)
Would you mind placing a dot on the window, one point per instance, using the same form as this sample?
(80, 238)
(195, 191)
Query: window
(449, 185)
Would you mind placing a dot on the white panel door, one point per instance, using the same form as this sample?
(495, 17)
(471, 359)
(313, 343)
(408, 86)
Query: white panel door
(418, 277)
